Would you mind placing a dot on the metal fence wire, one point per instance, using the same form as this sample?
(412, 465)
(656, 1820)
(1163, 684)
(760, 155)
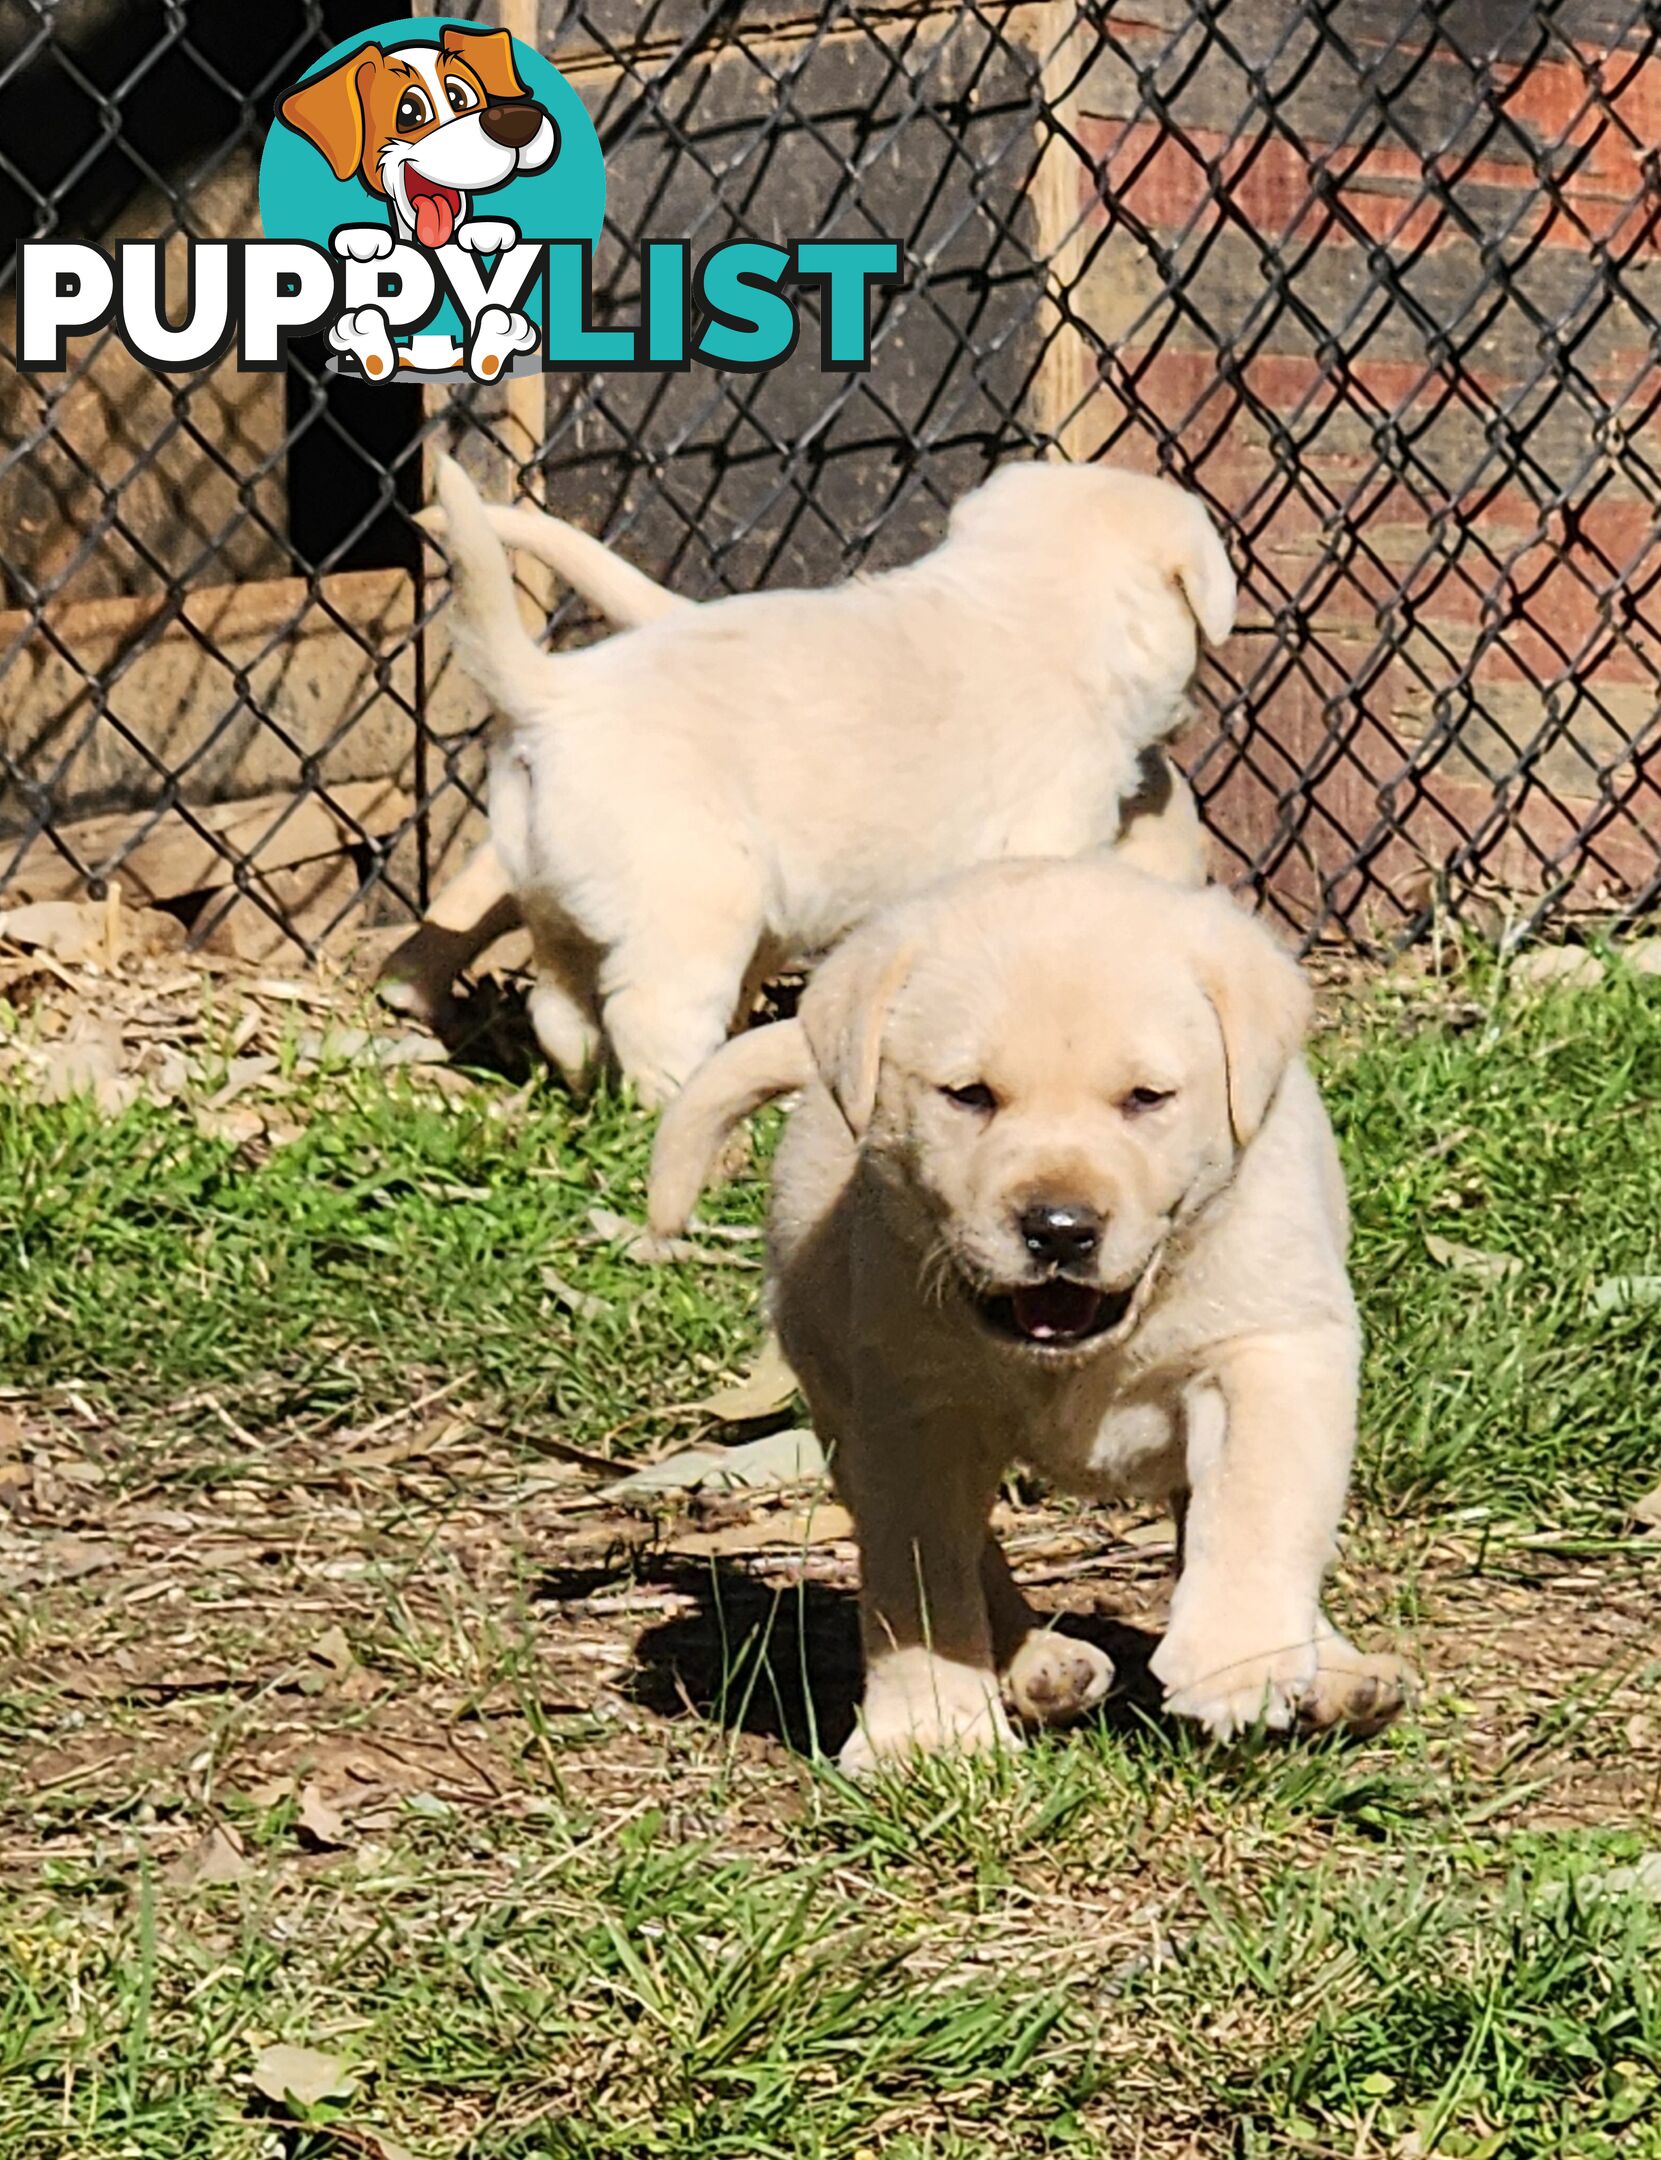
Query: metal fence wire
(1378, 279)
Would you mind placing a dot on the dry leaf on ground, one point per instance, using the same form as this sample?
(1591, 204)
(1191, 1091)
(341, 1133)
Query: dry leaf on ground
(783, 1458)
(766, 1386)
(582, 1304)
(1619, 1293)
(305, 2075)
(1469, 1260)
(318, 1821)
(332, 1649)
(217, 1858)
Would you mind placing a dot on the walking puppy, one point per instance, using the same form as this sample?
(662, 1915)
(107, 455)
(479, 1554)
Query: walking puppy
(1159, 825)
(681, 810)
(1060, 1189)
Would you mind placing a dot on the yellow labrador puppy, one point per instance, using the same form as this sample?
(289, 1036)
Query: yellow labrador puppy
(1060, 1189)
(682, 809)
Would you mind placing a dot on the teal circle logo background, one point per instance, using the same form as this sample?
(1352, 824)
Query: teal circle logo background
(300, 198)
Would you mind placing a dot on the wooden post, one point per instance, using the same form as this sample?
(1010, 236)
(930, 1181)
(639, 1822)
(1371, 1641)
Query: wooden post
(527, 395)
(1070, 405)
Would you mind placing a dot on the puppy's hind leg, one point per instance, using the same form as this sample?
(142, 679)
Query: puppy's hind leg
(563, 1008)
(469, 914)
(1162, 833)
(670, 991)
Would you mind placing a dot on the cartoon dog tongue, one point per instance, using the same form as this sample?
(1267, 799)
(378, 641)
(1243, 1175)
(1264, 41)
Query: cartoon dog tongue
(435, 216)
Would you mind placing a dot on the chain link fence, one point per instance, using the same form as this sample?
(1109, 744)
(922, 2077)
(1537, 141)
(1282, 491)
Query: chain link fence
(1378, 279)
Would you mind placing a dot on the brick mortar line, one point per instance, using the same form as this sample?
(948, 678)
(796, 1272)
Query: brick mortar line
(590, 59)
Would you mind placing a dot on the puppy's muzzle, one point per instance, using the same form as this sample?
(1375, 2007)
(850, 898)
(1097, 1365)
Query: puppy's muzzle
(513, 125)
(1061, 1234)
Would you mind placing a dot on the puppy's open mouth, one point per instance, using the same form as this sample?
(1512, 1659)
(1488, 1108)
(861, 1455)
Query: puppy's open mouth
(435, 209)
(1056, 1315)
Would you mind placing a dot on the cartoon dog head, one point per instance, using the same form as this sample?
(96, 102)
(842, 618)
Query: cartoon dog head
(426, 126)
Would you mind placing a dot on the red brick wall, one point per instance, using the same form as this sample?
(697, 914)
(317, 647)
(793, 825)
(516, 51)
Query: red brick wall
(1390, 297)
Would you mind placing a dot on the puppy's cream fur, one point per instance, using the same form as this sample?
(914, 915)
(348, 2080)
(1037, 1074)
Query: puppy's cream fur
(1077, 1036)
(477, 906)
(736, 784)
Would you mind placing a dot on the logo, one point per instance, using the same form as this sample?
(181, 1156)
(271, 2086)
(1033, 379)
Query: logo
(431, 194)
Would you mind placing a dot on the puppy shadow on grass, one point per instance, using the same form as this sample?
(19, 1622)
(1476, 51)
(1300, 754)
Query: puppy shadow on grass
(485, 1026)
(782, 1661)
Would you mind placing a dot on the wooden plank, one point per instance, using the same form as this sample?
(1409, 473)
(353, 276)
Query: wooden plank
(163, 855)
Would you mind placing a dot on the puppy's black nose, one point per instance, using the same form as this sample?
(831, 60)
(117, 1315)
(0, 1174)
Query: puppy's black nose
(511, 125)
(1061, 1236)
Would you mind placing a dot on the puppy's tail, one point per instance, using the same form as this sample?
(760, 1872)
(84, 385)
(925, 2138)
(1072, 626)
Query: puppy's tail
(1202, 570)
(491, 641)
(744, 1073)
(612, 587)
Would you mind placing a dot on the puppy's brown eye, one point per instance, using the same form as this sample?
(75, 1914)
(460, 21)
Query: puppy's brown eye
(460, 94)
(1146, 1098)
(975, 1096)
(413, 111)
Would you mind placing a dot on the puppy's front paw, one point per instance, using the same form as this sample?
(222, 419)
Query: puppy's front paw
(1206, 1679)
(1055, 1679)
(919, 1704)
(1359, 1692)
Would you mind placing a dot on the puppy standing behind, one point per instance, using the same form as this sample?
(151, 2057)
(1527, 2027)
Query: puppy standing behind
(1061, 1189)
(734, 785)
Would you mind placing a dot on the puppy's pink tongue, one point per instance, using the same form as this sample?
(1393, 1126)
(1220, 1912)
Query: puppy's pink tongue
(1055, 1311)
(434, 220)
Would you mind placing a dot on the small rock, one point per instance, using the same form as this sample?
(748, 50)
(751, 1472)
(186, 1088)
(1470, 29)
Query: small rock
(1569, 966)
(87, 1058)
(1642, 1880)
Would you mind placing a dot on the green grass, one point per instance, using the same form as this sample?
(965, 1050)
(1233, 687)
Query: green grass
(398, 1237)
(1532, 1133)
(648, 1936)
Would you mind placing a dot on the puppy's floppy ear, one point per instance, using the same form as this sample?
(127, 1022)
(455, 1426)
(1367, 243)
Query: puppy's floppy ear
(328, 109)
(845, 1008)
(1261, 1000)
(489, 53)
(1204, 573)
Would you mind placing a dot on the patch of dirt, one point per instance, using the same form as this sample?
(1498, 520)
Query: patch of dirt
(410, 1616)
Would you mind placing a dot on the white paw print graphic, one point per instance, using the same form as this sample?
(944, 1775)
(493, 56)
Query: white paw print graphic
(497, 336)
(364, 334)
(363, 243)
(486, 236)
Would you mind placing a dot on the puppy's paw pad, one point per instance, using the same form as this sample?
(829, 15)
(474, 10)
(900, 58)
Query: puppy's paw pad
(1360, 1693)
(1054, 1679)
